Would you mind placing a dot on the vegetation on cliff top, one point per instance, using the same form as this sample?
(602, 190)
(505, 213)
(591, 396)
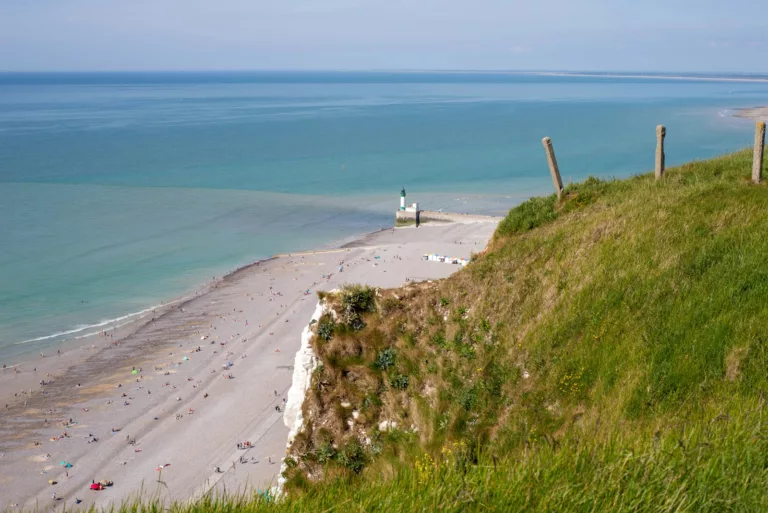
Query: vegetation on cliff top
(616, 337)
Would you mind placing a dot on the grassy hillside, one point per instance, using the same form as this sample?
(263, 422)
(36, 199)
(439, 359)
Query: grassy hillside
(606, 353)
(606, 350)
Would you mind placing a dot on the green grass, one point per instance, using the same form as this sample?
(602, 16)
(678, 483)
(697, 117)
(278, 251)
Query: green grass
(714, 466)
(608, 352)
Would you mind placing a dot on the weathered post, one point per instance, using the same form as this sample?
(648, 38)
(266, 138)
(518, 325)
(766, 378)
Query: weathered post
(661, 133)
(757, 155)
(553, 169)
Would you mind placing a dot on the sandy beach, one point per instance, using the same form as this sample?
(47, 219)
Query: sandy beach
(161, 406)
(757, 113)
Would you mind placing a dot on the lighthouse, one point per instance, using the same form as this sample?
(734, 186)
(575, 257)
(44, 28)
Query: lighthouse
(402, 199)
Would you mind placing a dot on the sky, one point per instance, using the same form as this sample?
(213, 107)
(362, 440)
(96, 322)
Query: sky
(587, 35)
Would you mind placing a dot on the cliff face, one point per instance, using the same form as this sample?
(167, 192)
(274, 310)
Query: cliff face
(626, 319)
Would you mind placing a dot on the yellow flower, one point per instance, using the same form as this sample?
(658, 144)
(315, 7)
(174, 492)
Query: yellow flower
(424, 468)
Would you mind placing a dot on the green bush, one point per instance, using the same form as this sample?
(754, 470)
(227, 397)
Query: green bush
(356, 300)
(326, 328)
(356, 324)
(352, 456)
(385, 359)
(325, 452)
(399, 381)
(468, 398)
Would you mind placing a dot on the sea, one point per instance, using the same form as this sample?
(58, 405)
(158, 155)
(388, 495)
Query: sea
(121, 191)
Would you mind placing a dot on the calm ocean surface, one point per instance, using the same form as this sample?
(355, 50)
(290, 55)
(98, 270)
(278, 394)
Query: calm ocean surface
(123, 190)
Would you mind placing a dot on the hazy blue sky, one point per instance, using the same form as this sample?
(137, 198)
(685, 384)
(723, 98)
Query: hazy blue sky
(654, 35)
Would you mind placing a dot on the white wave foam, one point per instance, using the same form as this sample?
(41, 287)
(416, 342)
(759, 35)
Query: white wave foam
(83, 327)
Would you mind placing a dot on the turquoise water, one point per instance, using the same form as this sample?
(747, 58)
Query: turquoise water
(123, 190)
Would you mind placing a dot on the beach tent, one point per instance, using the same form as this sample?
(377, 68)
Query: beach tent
(66, 464)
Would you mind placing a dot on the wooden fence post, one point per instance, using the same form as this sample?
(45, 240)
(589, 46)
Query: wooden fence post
(661, 133)
(757, 155)
(553, 169)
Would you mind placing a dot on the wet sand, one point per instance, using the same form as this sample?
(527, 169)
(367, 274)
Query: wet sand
(164, 387)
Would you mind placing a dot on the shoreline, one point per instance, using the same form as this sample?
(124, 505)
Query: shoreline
(139, 319)
(756, 113)
(134, 320)
(178, 406)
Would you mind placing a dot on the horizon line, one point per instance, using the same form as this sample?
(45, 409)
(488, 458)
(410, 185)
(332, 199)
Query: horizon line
(388, 70)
